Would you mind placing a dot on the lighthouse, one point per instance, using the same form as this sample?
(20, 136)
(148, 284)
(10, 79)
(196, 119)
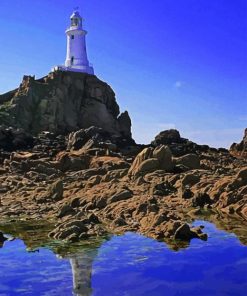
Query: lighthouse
(76, 57)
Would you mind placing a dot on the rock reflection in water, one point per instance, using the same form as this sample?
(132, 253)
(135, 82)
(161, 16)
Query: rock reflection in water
(130, 263)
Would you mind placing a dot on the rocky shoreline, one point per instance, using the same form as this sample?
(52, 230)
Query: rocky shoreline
(100, 188)
(95, 179)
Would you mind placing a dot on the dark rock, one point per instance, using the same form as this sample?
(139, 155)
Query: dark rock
(65, 210)
(119, 222)
(186, 193)
(2, 238)
(201, 199)
(79, 138)
(183, 232)
(124, 123)
(75, 203)
(15, 139)
(92, 218)
(167, 137)
(240, 150)
(122, 195)
(163, 189)
(179, 146)
(100, 202)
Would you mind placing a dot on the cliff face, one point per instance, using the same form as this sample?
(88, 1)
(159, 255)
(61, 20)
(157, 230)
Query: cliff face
(240, 150)
(63, 102)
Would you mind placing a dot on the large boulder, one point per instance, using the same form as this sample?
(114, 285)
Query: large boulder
(141, 157)
(149, 160)
(149, 165)
(164, 156)
(79, 138)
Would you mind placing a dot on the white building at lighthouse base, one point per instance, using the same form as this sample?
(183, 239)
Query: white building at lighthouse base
(89, 69)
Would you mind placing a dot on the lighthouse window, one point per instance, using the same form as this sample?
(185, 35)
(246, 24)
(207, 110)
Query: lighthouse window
(72, 60)
(74, 22)
(72, 36)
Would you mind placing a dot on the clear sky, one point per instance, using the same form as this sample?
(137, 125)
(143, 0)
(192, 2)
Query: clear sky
(172, 63)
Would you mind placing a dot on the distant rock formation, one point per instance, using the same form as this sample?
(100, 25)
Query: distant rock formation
(167, 137)
(240, 150)
(63, 102)
(179, 146)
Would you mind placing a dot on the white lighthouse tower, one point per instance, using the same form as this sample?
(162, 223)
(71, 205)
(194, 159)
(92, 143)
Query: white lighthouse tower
(76, 57)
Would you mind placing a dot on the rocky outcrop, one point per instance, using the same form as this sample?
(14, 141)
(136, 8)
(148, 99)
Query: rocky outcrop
(63, 102)
(179, 146)
(160, 158)
(95, 137)
(167, 137)
(240, 150)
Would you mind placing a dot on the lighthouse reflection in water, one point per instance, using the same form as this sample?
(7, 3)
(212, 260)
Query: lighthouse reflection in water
(129, 265)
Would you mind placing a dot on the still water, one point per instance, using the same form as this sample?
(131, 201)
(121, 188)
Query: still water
(127, 265)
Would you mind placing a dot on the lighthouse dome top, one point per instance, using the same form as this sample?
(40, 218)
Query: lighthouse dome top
(75, 14)
(76, 19)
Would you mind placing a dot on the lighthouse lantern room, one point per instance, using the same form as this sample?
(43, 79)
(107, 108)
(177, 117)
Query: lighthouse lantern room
(76, 57)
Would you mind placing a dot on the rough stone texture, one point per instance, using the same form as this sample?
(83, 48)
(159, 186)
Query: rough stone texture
(164, 156)
(56, 190)
(167, 137)
(89, 193)
(151, 159)
(179, 146)
(240, 150)
(124, 122)
(191, 161)
(63, 102)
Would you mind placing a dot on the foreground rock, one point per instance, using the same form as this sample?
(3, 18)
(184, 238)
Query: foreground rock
(95, 189)
(2, 239)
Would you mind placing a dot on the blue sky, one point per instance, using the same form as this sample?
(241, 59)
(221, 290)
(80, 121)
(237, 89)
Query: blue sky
(172, 64)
